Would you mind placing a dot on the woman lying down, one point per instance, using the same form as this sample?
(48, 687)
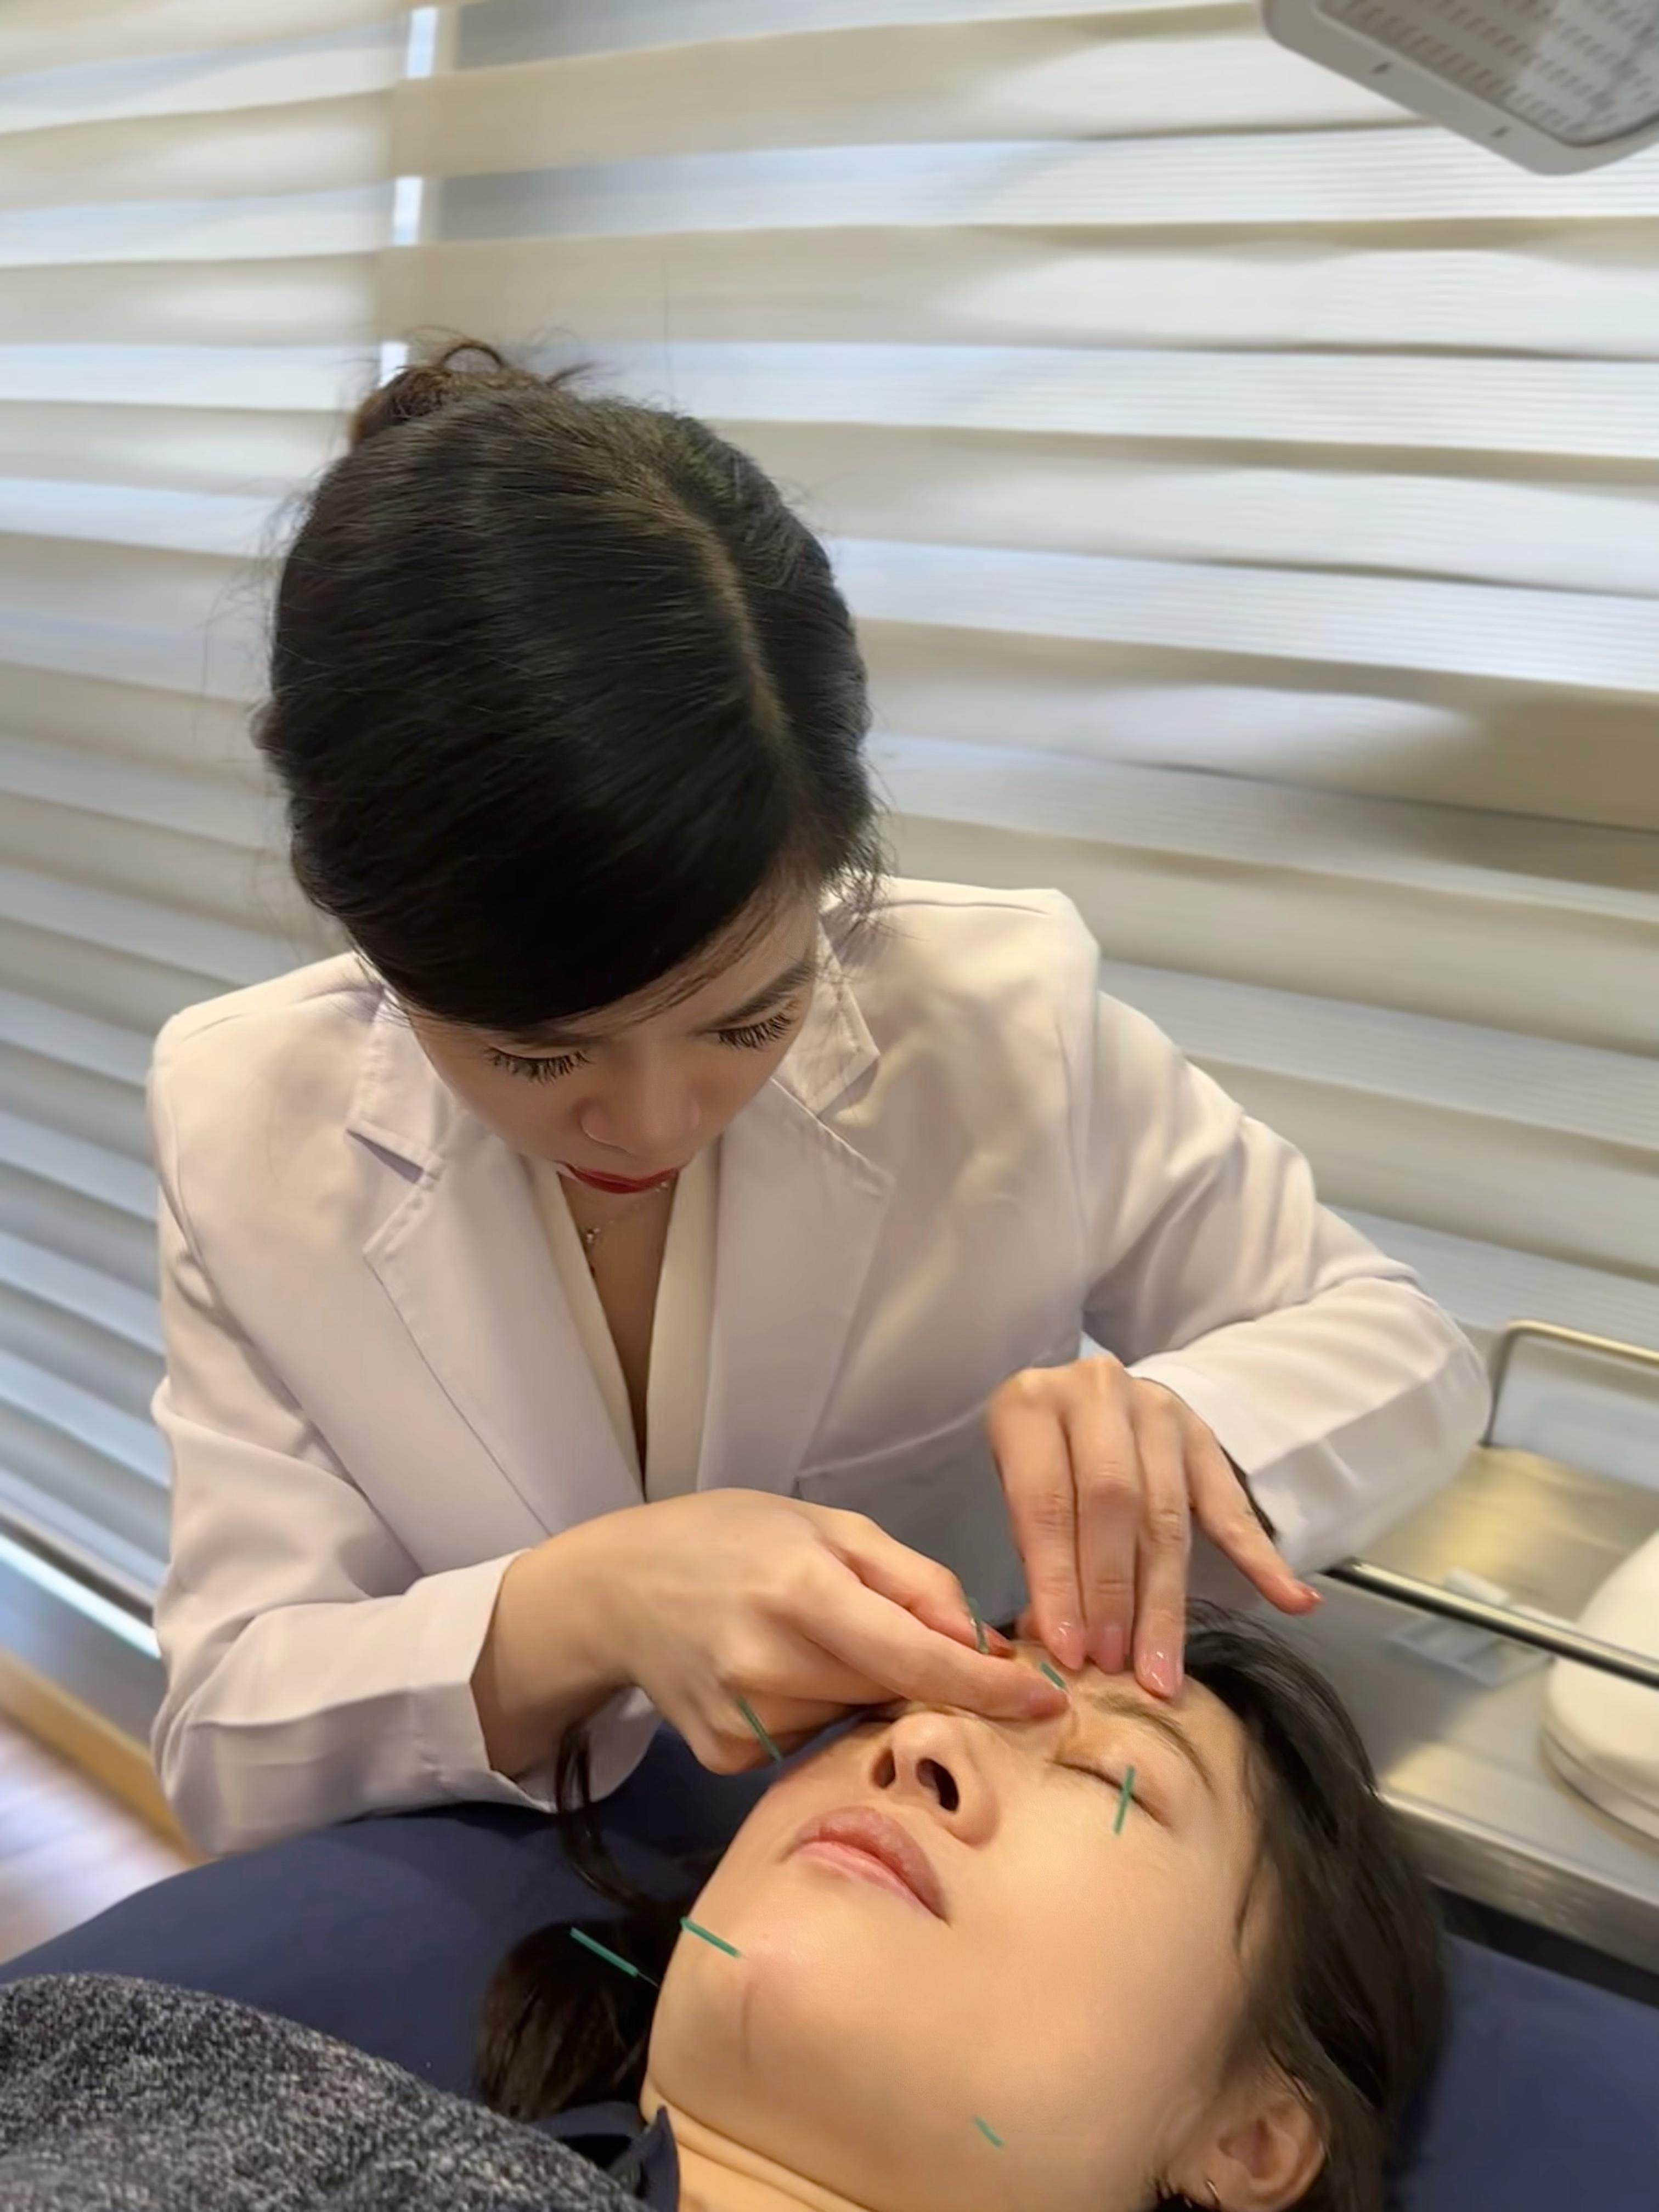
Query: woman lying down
(1148, 1954)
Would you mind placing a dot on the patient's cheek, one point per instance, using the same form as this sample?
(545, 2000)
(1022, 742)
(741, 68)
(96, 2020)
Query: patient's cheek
(781, 2048)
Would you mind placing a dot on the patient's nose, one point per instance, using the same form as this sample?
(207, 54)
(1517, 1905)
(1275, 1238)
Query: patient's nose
(930, 1761)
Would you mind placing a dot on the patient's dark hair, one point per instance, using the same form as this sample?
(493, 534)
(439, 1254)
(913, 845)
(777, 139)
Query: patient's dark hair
(1347, 1996)
(561, 689)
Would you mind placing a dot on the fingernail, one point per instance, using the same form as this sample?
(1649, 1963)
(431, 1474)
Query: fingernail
(1163, 1671)
(1000, 1647)
(1068, 1644)
(1314, 1597)
(1108, 1651)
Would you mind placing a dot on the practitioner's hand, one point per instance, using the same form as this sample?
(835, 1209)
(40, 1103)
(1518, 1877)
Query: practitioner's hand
(802, 1611)
(1104, 1475)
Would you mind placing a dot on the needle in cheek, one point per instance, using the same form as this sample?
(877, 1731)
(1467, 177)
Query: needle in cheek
(707, 1935)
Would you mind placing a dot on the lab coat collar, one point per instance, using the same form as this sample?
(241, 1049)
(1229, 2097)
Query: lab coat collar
(402, 1104)
(835, 1047)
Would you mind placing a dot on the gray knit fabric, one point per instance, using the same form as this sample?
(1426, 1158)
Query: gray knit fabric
(127, 2096)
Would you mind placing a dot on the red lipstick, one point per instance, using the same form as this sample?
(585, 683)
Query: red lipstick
(618, 1186)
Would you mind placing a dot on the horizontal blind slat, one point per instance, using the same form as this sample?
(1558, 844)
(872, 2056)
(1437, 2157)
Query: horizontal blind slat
(1606, 1099)
(220, 666)
(1025, 79)
(1587, 296)
(201, 877)
(54, 1486)
(1560, 638)
(276, 377)
(92, 714)
(1470, 404)
(1488, 1284)
(163, 447)
(1446, 739)
(316, 301)
(1403, 183)
(197, 806)
(49, 1156)
(1031, 495)
(182, 235)
(50, 1484)
(110, 1241)
(69, 1100)
(55, 1032)
(1540, 971)
(531, 30)
(99, 978)
(142, 927)
(307, 146)
(72, 1347)
(344, 59)
(110, 1303)
(40, 34)
(1606, 876)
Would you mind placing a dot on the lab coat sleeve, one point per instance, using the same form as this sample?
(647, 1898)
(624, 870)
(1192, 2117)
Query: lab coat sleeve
(1334, 1383)
(313, 1673)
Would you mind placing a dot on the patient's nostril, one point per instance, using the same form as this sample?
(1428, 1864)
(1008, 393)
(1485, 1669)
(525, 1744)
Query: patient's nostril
(943, 1784)
(886, 1770)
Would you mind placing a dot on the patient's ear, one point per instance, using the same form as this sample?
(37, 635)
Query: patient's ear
(1265, 2154)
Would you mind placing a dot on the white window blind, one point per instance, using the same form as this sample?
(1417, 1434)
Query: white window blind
(192, 199)
(1245, 495)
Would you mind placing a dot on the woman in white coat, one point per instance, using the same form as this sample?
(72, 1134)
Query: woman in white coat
(648, 1276)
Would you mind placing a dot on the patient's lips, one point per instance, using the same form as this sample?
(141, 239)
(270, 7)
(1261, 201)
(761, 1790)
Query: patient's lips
(873, 1847)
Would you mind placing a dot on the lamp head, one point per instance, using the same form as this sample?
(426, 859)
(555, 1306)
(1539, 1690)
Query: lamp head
(1553, 85)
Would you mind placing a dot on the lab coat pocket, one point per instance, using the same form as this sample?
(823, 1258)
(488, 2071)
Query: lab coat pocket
(940, 1493)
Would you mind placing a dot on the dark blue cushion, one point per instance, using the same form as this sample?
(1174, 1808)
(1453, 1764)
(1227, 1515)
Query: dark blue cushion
(1547, 2099)
(384, 1932)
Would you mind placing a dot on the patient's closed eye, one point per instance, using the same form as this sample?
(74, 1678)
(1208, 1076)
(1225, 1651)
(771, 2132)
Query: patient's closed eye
(1109, 1780)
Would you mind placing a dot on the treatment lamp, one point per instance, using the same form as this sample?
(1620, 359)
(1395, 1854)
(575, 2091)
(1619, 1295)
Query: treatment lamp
(1550, 84)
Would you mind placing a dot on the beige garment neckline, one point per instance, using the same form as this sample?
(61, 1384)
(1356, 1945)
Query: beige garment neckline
(676, 1386)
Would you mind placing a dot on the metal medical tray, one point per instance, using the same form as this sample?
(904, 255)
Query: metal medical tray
(1461, 1759)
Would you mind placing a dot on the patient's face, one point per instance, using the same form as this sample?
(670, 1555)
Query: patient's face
(1072, 1985)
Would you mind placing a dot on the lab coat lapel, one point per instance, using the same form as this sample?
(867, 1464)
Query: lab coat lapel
(800, 1214)
(462, 1256)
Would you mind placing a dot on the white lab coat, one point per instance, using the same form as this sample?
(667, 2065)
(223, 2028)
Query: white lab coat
(375, 1397)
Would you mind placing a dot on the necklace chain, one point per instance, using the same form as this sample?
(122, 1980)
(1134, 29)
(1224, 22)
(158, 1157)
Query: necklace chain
(590, 1237)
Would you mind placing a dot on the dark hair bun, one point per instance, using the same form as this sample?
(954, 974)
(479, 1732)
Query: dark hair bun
(425, 388)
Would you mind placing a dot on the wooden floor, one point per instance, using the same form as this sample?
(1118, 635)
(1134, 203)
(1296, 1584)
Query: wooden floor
(67, 1850)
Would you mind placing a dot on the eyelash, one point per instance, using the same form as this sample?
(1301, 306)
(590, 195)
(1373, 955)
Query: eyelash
(750, 1036)
(1112, 1782)
(534, 1071)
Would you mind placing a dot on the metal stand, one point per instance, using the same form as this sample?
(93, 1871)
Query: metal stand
(1517, 1623)
(1501, 1620)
